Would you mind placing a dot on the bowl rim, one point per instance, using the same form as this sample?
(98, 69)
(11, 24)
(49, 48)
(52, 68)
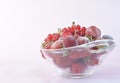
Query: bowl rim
(83, 45)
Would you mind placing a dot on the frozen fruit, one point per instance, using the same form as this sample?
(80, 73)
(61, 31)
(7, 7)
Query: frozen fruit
(93, 32)
(79, 53)
(78, 68)
(63, 62)
(69, 41)
(57, 44)
(82, 40)
(92, 60)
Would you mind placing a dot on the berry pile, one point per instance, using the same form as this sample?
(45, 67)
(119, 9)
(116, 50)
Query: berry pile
(76, 59)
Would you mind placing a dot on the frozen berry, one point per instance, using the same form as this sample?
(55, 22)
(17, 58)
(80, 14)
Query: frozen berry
(82, 40)
(93, 32)
(69, 41)
(78, 68)
(63, 62)
(79, 53)
(57, 44)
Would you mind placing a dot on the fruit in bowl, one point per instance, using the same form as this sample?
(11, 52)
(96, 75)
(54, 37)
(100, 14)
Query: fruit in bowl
(76, 51)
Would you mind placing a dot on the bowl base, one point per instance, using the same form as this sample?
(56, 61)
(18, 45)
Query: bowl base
(76, 76)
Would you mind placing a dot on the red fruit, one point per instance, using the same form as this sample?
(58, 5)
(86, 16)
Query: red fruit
(63, 62)
(48, 45)
(76, 35)
(93, 32)
(92, 60)
(69, 41)
(78, 68)
(82, 40)
(57, 44)
(79, 53)
(49, 38)
(82, 33)
(66, 34)
(55, 36)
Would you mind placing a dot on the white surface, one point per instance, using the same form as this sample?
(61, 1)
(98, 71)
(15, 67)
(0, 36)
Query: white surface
(24, 24)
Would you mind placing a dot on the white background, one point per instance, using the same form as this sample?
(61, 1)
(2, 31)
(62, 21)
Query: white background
(24, 24)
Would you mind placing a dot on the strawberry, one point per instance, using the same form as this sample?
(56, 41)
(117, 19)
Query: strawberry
(93, 32)
(63, 62)
(57, 44)
(78, 68)
(92, 60)
(79, 53)
(82, 40)
(69, 41)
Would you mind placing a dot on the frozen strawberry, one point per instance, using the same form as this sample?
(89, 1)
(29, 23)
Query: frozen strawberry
(57, 44)
(82, 40)
(48, 45)
(69, 41)
(78, 68)
(92, 60)
(63, 62)
(93, 32)
(79, 53)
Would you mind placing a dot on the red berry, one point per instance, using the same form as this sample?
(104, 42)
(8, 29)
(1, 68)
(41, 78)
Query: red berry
(82, 40)
(66, 34)
(92, 60)
(79, 53)
(82, 33)
(78, 68)
(57, 44)
(63, 62)
(48, 45)
(55, 36)
(93, 32)
(69, 41)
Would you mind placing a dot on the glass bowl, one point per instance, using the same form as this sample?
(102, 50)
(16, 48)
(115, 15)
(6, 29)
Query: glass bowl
(79, 61)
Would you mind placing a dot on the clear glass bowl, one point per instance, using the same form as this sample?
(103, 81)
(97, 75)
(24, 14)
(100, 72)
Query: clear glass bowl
(79, 61)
